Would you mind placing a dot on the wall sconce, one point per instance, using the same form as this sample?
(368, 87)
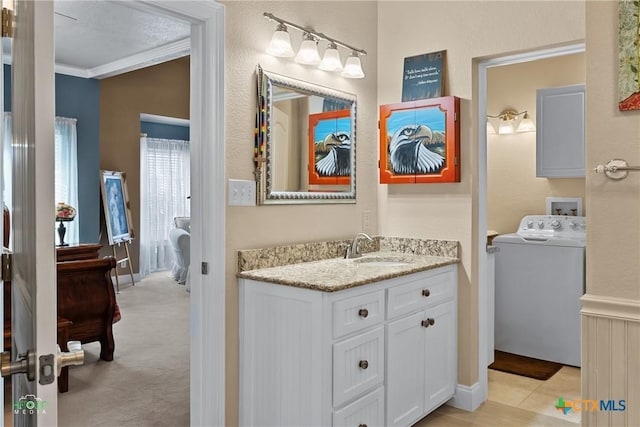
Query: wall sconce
(280, 46)
(510, 121)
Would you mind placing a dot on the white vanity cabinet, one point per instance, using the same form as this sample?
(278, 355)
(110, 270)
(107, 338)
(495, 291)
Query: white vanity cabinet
(372, 355)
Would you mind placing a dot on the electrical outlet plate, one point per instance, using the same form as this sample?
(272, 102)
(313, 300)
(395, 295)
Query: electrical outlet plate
(366, 221)
(242, 192)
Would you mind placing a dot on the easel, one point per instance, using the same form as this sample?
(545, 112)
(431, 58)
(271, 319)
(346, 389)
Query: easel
(126, 259)
(117, 205)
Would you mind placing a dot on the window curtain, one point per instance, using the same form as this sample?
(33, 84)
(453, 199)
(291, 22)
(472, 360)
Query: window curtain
(66, 170)
(164, 187)
(66, 173)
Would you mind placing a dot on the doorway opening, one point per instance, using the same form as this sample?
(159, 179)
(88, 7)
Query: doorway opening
(207, 305)
(486, 296)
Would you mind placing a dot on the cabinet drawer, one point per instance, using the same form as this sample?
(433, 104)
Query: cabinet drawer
(421, 293)
(358, 365)
(367, 411)
(356, 313)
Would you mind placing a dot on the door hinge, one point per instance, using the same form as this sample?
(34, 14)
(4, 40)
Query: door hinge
(5, 268)
(7, 23)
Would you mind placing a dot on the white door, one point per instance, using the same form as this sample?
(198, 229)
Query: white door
(33, 280)
(405, 370)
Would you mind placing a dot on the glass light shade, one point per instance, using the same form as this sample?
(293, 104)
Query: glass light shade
(526, 125)
(506, 127)
(308, 53)
(280, 44)
(353, 67)
(491, 128)
(331, 60)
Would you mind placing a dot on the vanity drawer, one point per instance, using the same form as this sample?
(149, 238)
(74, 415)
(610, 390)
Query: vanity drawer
(358, 365)
(356, 313)
(421, 293)
(366, 411)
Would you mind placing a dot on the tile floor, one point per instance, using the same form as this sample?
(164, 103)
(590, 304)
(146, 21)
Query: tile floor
(516, 401)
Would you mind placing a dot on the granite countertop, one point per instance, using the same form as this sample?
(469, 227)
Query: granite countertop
(334, 274)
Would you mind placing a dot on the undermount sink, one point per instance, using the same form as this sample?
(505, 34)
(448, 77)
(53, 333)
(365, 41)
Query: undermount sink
(381, 261)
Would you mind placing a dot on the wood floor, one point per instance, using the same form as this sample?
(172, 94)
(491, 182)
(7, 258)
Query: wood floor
(516, 401)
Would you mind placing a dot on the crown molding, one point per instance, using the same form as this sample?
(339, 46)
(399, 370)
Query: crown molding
(165, 53)
(154, 56)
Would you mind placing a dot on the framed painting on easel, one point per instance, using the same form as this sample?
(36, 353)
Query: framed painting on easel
(115, 201)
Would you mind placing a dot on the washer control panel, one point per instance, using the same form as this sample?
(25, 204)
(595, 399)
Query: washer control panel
(547, 226)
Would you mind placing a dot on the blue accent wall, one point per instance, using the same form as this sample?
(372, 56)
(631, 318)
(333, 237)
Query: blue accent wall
(160, 130)
(80, 99)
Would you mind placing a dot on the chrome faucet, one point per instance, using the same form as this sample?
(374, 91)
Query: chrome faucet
(352, 250)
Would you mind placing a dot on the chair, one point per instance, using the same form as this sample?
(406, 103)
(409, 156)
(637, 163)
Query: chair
(183, 222)
(180, 242)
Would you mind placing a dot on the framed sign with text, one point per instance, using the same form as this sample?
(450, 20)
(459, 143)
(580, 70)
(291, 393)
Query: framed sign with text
(424, 76)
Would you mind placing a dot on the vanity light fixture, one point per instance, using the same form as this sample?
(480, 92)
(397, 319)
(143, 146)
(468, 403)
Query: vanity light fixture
(280, 44)
(308, 52)
(353, 67)
(331, 60)
(510, 121)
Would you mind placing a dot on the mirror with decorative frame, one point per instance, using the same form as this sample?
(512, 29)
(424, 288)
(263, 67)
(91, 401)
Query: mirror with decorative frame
(305, 142)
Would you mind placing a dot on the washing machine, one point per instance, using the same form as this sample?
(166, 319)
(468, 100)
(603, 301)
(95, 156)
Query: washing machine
(539, 279)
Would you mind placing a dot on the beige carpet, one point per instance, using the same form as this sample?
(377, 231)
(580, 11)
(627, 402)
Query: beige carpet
(147, 383)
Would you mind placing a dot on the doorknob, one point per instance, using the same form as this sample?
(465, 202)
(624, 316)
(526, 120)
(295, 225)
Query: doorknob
(25, 364)
(75, 355)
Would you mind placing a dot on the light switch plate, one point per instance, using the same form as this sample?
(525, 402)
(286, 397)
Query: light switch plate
(242, 192)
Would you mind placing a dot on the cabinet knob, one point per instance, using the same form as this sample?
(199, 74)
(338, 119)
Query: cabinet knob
(363, 312)
(425, 323)
(362, 425)
(431, 320)
(363, 364)
(426, 292)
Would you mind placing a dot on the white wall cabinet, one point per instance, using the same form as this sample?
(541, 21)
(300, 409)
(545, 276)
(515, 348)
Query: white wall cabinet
(374, 355)
(560, 149)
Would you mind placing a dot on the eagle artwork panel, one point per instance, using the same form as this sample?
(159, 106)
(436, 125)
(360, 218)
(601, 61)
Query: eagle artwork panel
(420, 141)
(330, 147)
(416, 141)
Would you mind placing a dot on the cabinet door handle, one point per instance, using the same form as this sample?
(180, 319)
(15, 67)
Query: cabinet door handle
(363, 312)
(425, 323)
(363, 364)
(426, 292)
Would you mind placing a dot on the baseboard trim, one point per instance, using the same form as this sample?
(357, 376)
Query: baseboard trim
(609, 307)
(468, 398)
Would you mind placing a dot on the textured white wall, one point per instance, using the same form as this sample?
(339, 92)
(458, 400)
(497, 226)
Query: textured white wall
(469, 31)
(513, 189)
(247, 34)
